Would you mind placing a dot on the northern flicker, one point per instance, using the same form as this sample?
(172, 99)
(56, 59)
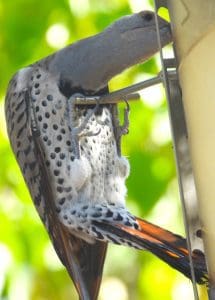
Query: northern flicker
(70, 155)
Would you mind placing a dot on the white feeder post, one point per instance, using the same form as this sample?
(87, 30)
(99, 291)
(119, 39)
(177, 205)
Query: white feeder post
(194, 35)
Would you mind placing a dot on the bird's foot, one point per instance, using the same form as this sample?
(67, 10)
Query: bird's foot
(124, 128)
(79, 131)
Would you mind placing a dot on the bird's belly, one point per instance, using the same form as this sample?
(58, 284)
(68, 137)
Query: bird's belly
(98, 173)
(108, 170)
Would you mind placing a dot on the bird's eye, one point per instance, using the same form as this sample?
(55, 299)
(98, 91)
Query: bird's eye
(147, 16)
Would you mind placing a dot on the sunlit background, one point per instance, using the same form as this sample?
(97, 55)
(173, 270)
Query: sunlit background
(29, 267)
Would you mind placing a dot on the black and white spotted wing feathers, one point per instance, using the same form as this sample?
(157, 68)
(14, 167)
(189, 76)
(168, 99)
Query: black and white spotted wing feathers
(84, 261)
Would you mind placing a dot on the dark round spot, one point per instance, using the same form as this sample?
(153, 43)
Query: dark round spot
(44, 103)
(60, 180)
(37, 92)
(57, 149)
(62, 200)
(59, 163)
(49, 97)
(55, 127)
(136, 226)
(45, 138)
(59, 137)
(109, 214)
(68, 143)
(54, 111)
(62, 155)
(39, 118)
(56, 172)
(118, 217)
(49, 143)
(63, 131)
(52, 155)
(38, 76)
(59, 189)
(65, 217)
(37, 108)
(47, 115)
(72, 158)
(36, 85)
(45, 125)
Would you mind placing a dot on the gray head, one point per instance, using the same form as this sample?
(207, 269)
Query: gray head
(137, 33)
(89, 64)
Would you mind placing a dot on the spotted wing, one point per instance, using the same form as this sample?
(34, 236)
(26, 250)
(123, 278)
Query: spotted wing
(84, 262)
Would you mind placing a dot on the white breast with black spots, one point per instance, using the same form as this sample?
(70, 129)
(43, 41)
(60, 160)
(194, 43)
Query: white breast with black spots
(99, 175)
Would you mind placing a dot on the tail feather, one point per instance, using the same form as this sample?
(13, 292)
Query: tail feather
(169, 247)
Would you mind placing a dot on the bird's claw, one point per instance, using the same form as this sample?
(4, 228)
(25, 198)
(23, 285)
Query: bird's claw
(79, 131)
(124, 128)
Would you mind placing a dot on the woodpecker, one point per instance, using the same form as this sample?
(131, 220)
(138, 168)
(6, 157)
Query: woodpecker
(70, 155)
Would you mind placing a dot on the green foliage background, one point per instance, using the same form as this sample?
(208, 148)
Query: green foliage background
(29, 268)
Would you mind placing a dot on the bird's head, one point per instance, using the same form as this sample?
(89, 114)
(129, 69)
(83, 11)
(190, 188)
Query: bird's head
(88, 65)
(137, 33)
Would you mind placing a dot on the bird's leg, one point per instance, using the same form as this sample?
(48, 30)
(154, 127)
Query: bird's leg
(120, 129)
(123, 129)
(78, 131)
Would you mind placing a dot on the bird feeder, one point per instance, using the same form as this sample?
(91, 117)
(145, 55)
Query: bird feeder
(191, 108)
